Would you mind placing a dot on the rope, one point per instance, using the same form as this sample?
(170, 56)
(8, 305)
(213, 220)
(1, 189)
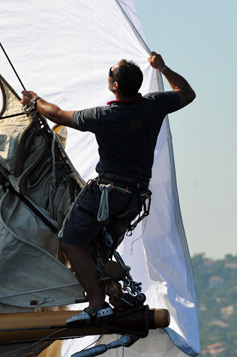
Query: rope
(3, 98)
(60, 233)
(33, 344)
(38, 291)
(103, 211)
(30, 111)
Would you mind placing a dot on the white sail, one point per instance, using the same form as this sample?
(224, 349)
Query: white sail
(63, 51)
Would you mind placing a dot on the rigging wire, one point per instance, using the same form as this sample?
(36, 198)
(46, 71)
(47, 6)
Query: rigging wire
(12, 66)
(134, 240)
(35, 343)
(91, 344)
(138, 35)
(38, 290)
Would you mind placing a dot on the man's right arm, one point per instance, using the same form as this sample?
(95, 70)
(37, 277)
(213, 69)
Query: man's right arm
(177, 82)
(49, 110)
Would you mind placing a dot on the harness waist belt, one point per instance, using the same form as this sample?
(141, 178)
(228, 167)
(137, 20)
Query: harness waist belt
(133, 186)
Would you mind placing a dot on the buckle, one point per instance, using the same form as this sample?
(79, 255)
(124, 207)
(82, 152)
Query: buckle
(115, 185)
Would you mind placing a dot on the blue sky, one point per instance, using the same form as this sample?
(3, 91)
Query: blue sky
(198, 40)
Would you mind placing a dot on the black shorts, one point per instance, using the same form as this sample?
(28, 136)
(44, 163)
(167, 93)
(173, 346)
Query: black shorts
(82, 227)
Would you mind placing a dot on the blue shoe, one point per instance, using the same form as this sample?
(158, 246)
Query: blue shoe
(88, 315)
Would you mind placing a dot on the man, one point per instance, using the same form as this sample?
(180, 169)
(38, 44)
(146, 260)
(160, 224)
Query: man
(126, 131)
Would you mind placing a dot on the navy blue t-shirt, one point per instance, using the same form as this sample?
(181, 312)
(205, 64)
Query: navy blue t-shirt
(126, 132)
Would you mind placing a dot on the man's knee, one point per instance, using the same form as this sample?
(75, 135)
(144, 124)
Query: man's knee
(69, 248)
(66, 247)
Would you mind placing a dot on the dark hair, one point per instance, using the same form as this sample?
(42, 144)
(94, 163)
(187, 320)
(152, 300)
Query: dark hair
(129, 77)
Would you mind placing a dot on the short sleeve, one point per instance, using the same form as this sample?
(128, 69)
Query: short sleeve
(84, 120)
(89, 119)
(164, 102)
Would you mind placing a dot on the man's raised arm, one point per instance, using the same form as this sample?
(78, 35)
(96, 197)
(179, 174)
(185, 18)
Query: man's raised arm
(177, 82)
(49, 110)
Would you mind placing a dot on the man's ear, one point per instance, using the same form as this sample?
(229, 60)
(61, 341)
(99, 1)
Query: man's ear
(115, 85)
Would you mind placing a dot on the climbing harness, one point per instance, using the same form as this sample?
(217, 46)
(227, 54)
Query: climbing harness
(146, 211)
(103, 211)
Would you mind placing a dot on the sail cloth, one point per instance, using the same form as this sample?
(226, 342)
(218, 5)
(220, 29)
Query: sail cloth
(63, 51)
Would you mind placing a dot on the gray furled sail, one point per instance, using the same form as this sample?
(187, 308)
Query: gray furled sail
(37, 186)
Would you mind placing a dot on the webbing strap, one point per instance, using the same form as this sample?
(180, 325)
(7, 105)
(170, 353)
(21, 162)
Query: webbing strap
(103, 211)
(146, 211)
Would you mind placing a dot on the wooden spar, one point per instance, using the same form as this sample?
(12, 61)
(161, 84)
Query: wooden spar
(50, 325)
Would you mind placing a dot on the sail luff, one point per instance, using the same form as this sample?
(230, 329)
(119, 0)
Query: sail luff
(138, 35)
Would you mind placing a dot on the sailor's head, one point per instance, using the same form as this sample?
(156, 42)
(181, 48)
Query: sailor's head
(125, 76)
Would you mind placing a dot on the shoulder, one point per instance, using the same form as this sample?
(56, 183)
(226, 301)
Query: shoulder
(91, 113)
(87, 119)
(169, 101)
(161, 96)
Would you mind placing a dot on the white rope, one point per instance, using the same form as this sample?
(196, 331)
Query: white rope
(103, 211)
(60, 233)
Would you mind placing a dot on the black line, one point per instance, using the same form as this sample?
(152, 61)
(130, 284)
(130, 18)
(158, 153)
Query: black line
(12, 115)
(35, 210)
(12, 66)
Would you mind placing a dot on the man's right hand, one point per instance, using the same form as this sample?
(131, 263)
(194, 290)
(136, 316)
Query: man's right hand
(49, 110)
(177, 82)
(156, 61)
(27, 96)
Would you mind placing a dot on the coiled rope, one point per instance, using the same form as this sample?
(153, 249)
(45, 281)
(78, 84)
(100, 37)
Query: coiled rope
(103, 211)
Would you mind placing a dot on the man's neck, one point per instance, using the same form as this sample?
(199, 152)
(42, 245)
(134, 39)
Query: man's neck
(121, 97)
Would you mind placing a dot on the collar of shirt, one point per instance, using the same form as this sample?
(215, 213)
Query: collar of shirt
(139, 96)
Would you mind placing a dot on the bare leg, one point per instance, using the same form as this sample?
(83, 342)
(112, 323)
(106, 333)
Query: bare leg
(84, 267)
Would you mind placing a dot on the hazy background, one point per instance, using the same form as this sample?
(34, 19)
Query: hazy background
(198, 39)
